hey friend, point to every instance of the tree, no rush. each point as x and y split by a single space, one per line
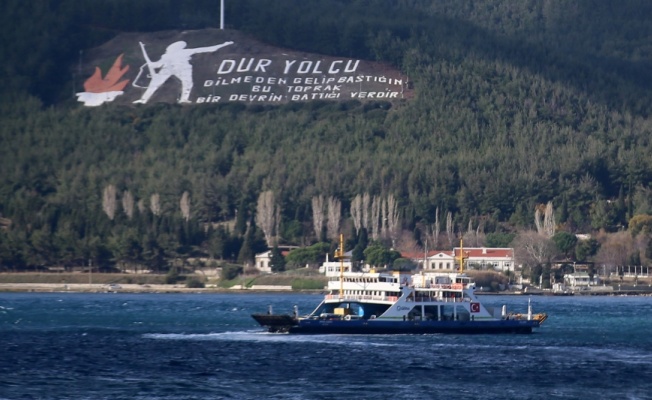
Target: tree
277 261
640 223
184 205
216 242
375 227
128 204
449 228
634 258
334 216
393 219
318 216
565 242
240 219
155 204
586 248
378 255
498 239
545 221
267 215
356 213
648 251
247 255
615 249
311 255
533 249
109 201
604 216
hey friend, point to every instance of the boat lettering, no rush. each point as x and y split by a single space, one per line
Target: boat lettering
402 308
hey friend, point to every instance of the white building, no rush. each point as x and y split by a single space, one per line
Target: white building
483 258
263 260
480 258
579 279
332 268
440 261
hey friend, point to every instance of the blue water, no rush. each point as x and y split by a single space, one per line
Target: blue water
205 346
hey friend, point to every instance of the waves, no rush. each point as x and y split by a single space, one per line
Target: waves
208 347
266 337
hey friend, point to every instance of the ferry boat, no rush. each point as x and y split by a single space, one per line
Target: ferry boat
397 303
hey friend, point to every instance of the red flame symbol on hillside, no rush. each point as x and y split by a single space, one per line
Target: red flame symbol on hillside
97 84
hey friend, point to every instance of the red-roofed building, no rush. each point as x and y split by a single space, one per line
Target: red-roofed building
483 258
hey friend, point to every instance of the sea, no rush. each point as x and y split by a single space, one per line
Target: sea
207 346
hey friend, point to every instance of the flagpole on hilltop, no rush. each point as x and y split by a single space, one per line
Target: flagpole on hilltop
222 14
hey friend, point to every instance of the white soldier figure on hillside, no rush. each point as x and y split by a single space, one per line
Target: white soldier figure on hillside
175 62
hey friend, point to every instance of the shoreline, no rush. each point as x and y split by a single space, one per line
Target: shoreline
162 288
130 288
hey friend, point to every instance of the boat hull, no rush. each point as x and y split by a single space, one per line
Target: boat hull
380 326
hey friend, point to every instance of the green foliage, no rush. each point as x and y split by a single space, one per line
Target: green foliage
194 283
640 224
277 261
378 255
311 255
172 277
230 272
515 104
404 264
565 242
247 253
490 280
308 284
634 258
499 239
586 248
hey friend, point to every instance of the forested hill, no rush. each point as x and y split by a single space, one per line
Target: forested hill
516 103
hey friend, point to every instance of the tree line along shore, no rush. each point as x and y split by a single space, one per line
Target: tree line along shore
491 283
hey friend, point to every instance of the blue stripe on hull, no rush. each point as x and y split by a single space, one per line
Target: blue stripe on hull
411 327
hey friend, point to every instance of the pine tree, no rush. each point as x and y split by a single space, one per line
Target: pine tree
246 255
277 261
241 219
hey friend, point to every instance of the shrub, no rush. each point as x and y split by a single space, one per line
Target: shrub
172 277
230 272
194 282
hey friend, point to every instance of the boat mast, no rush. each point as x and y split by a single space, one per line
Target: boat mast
339 253
461 255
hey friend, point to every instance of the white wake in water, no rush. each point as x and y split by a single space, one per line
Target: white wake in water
258 336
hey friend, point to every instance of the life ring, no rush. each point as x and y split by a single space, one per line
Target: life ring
348 318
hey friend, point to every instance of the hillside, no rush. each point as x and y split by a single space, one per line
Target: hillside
515 104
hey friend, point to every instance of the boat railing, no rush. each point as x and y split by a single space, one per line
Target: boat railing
448 286
426 299
393 299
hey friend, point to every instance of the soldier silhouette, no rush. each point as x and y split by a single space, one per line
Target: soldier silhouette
174 62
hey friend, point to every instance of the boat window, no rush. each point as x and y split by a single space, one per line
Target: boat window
447 312
431 313
462 313
414 314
